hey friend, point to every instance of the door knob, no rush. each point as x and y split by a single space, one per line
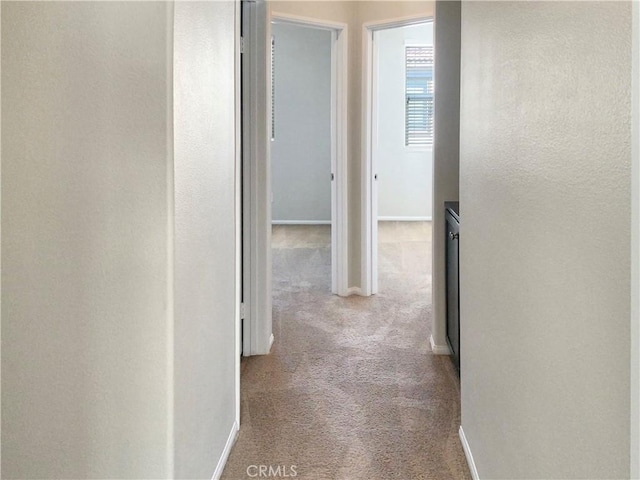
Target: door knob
453 236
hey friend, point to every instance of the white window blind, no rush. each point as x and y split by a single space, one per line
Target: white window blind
419 95
273 88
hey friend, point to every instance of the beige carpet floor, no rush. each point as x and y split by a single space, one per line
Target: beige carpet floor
351 389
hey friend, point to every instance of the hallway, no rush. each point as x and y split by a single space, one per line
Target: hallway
350 390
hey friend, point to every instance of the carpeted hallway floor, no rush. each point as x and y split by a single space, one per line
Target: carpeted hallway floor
351 390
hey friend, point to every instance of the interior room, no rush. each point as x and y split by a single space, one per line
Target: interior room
402 155
300 164
300 159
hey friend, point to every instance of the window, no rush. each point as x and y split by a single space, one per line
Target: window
418 124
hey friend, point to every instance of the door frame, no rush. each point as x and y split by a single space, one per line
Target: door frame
339 184
238 204
256 329
256 309
634 440
369 260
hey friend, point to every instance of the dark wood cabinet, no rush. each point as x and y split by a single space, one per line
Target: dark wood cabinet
452 232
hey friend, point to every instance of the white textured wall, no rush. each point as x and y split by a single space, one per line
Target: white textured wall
405 173
84 247
301 149
119 279
545 259
205 255
635 250
446 150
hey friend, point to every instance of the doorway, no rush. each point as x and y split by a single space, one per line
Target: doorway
398 150
301 167
338 135
257 326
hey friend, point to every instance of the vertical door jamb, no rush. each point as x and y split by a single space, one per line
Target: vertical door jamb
369 199
256 183
339 213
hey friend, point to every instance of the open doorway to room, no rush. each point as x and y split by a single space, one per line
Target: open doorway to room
289 200
398 169
307 155
402 159
301 167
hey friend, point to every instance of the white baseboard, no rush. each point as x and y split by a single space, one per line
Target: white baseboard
405 219
438 349
468 455
301 222
354 291
271 339
233 434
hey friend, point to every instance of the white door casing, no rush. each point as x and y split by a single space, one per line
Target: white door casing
257 335
256 177
369 280
339 218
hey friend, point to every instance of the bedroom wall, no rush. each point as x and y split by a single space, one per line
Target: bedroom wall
301 147
405 173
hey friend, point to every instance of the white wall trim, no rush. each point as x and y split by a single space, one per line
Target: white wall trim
231 440
340 218
468 454
369 232
271 340
290 19
404 219
635 246
354 291
301 222
169 310
398 22
238 206
339 126
369 243
256 107
438 349
171 261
